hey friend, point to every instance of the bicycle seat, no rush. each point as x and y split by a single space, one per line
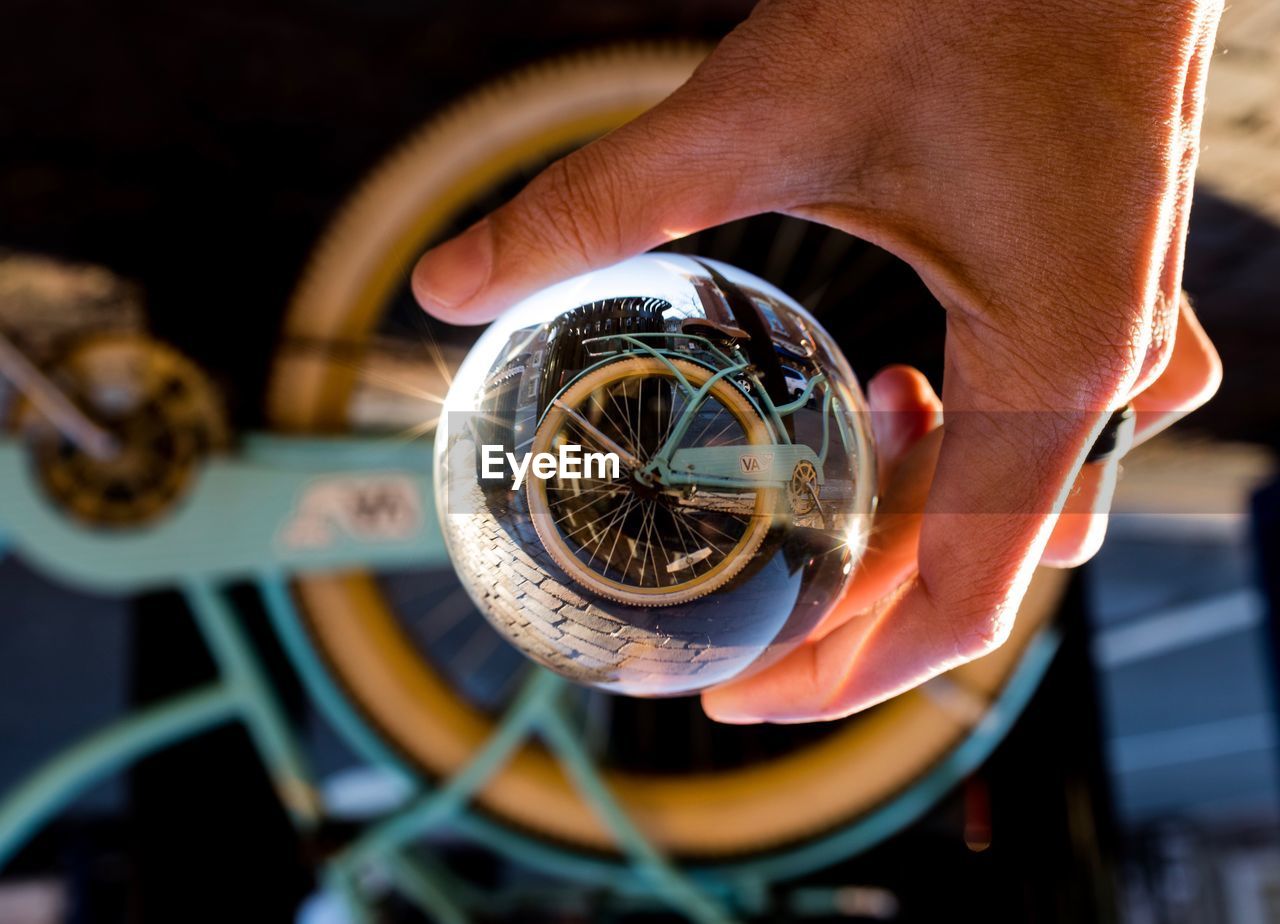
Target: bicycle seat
714 330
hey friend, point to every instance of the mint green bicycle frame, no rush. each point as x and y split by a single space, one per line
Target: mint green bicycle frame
722 466
238 523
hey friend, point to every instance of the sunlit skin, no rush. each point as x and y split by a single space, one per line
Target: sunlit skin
1033 162
905 419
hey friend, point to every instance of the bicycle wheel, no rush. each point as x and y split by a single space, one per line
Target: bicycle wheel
425 669
630 542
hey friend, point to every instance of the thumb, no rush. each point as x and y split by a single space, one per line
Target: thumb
660 177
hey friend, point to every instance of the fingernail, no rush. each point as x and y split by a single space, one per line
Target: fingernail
451 274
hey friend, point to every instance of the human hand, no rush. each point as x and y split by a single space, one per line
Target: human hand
1033 162
845 649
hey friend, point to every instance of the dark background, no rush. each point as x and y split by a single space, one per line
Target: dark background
199 150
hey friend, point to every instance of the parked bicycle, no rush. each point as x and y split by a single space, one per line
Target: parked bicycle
708 465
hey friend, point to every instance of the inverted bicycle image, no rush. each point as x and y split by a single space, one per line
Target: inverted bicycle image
707 466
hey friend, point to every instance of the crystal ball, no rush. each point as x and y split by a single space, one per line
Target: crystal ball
655 477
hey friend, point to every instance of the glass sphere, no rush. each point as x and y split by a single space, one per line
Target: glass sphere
655 477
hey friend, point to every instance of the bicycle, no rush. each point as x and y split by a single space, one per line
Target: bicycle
707 463
325 526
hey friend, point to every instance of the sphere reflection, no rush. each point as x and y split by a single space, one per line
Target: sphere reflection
656 476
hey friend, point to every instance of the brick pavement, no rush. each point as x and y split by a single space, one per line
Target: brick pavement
587 638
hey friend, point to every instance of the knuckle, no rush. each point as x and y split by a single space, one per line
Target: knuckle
978 620
1105 350
1158 348
1185 366
1061 363
982 630
1159 352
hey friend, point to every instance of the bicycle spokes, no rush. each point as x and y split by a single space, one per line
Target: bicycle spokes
633 537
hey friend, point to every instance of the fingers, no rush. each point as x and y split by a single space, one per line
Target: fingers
667 174
1190 378
1170 303
905 417
904 408
912 633
880 647
1082 526
1001 477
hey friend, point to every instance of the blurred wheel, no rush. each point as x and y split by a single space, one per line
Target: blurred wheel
426 670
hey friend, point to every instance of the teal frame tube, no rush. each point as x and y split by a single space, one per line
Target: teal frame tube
707 893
